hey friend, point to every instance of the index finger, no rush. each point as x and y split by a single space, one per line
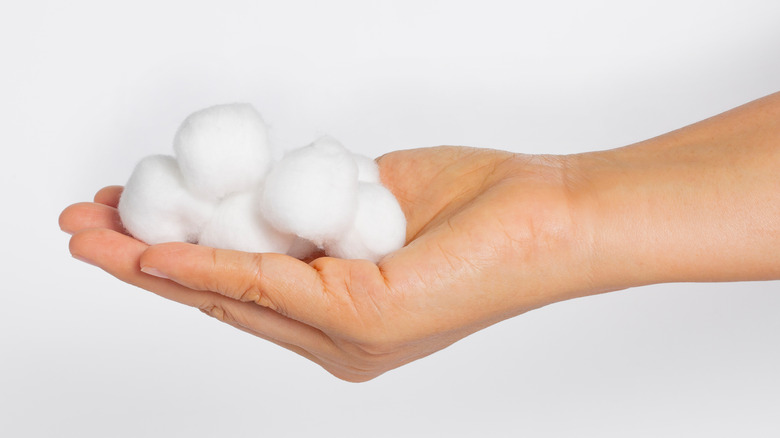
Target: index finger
277 281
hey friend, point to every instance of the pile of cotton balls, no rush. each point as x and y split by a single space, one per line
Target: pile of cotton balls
222 189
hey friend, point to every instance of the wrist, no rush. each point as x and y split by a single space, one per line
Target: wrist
612 206
552 243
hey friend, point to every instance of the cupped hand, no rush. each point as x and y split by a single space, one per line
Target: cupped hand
490 235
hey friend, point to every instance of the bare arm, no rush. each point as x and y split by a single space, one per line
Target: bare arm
698 204
490 235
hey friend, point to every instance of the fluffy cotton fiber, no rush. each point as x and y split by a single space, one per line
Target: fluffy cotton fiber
312 192
378 229
156 207
238 224
368 170
223 149
218 192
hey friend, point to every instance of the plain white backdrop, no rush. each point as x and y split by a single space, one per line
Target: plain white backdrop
89 88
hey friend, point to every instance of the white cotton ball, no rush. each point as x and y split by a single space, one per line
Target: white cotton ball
368 169
379 227
329 144
156 207
312 192
238 224
223 149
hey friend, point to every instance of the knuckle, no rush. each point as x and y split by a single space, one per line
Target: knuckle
255 284
249 294
243 281
217 312
222 279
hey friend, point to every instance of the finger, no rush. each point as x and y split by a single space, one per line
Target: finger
86 215
279 282
119 255
109 195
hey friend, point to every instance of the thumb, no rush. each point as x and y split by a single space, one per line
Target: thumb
276 281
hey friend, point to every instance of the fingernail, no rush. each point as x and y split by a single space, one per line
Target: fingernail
153 271
84 259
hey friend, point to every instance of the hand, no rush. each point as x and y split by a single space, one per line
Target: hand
490 235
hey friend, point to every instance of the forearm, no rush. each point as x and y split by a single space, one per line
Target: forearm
698 204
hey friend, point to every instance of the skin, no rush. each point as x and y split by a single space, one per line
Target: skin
490 235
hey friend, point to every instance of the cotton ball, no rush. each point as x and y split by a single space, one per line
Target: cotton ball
368 169
238 224
223 149
312 192
156 207
379 227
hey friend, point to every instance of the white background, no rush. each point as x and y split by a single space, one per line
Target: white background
89 88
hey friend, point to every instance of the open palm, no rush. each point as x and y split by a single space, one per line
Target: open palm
490 235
